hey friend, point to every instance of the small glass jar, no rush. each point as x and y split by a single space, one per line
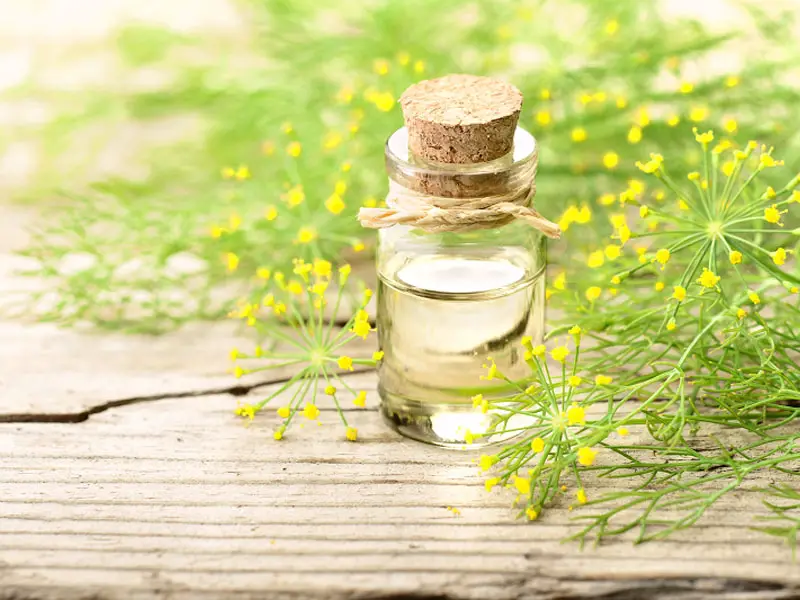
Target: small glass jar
451 304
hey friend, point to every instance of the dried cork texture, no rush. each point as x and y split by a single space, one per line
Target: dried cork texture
461 119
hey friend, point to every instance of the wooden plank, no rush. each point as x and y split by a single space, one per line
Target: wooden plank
179 499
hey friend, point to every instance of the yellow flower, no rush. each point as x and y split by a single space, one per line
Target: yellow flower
607 199
635 134
682 205
361 328
360 400
486 462
283 412
730 125
280 308
603 380
610 160
732 81
574 381
560 282
246 410
773 215
295 288
545 94
679 293
332 140
643 117
306 235
490 483
622 431
652 165
613 251
593 293
322 268
686 88
673 121
231 261
595 259
643 211
579 134
419 66
727 168
345 362
294 149
621 102
543 117
537 444
384 101
616 280
703 138
698 113
586 456
721 147
735 257
523 485
377 355
310 411
344 273
574 330
278 435
662 256
671 325
531 513
765 161
779 256
754 298
708 279
741 314
659 286
795 196
242 173
271 213
335 204
539 350
581 496
693 176
380 66
491 370
576 415
559 353
611 27
330 390
351 433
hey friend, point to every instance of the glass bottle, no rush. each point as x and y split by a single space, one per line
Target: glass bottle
452 304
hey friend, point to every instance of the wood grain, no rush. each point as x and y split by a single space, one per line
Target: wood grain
179 499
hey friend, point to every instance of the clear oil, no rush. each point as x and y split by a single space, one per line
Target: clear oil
439 319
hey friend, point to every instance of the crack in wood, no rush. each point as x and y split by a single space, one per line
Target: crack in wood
81 416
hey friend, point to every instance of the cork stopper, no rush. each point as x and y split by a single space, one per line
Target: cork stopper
461 119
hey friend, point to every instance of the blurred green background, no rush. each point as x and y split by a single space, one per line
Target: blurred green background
166 151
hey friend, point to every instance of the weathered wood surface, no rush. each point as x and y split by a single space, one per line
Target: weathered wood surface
179 499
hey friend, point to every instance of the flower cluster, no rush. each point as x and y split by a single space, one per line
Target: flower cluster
293 314
571 416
